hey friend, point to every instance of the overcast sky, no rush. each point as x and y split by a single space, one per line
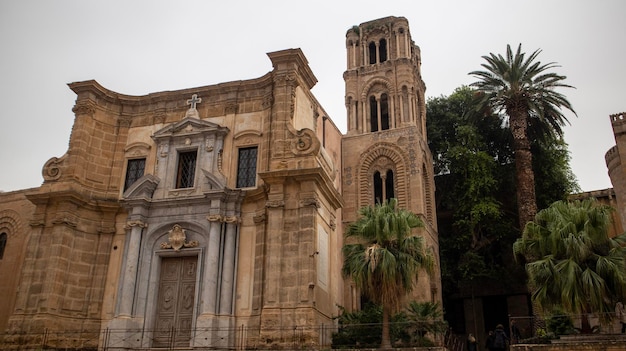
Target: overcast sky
140 47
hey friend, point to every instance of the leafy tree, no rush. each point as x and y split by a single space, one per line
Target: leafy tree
555 179
477 217
385 261
571 262
472 158
524 90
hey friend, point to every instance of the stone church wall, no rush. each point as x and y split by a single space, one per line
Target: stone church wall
97 249
15 214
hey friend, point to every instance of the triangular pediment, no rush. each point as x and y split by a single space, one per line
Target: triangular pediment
215 181
189 126
143 188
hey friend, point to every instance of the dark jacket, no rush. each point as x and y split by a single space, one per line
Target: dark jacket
499 333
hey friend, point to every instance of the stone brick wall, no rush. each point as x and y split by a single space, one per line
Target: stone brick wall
15 214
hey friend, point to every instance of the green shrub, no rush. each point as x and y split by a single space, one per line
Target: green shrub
560 324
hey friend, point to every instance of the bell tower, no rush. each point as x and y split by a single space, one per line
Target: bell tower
384 87
385 151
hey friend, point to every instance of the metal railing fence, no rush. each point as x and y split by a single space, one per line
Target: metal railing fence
320 337
555 325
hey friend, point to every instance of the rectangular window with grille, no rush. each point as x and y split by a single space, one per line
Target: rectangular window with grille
186 169
134 171
246 167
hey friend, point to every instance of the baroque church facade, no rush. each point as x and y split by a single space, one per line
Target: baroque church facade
214 216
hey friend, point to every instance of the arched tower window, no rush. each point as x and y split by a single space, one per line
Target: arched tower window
382 50
372 53
389 192
383 186
384 112
379 113
3 243
378 188
373 114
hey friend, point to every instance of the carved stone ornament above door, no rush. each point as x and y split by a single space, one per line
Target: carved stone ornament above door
177 239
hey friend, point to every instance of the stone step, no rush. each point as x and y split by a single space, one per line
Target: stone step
589 338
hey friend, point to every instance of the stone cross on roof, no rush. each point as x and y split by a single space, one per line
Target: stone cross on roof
192 112
194 100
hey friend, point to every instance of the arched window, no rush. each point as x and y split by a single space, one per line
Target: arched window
384 112
379 106
389 189
372 53
383 186
382 50
373 114
3 244
357 124
378 188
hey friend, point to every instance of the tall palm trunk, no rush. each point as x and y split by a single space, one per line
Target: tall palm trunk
525 177
585 325
385 343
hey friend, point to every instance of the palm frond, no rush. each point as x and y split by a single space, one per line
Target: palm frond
571 262
386 262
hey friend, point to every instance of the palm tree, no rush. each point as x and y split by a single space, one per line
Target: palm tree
385 261
425 318
524 90
571 262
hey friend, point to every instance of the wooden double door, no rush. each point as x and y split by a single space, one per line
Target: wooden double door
175 301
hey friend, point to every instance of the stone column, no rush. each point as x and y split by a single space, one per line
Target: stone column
352 55
403 102
383 179
407 44
364 127
379 117
414 109
397 44
391 111
129 279
228 267
351 122
209 279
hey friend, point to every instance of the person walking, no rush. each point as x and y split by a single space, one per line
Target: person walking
472 343
500 339
516 335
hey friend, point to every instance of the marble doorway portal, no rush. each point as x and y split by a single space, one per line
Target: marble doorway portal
175 301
